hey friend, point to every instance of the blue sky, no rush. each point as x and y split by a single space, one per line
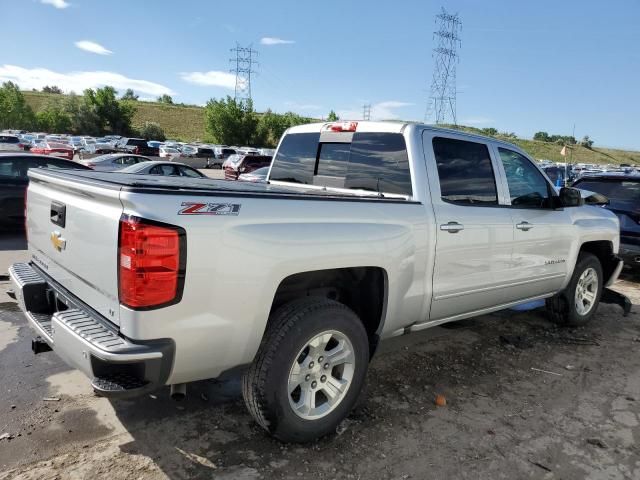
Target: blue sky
524 66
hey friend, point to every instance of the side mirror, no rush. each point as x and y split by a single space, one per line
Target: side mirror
570 197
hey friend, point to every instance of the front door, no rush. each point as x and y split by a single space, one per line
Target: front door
542 236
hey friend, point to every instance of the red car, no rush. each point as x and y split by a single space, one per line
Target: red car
240 164
54 149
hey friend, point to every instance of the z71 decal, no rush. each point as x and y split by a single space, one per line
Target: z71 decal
193 208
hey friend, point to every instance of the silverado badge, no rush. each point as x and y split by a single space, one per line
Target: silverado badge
57 241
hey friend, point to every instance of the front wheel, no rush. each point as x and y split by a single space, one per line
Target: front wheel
309 370
577 304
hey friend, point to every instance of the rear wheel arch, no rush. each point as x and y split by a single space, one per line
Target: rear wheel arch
363 289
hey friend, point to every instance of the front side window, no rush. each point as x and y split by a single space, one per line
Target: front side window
527 186
465 172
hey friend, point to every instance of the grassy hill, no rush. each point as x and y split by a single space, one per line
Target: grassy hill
187 123
178 122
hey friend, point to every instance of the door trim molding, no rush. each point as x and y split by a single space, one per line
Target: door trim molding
496 287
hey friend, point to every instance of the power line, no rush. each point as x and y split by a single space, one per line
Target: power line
366 111
442 97
244 63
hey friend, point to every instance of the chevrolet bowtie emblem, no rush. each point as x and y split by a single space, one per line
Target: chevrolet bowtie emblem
57 241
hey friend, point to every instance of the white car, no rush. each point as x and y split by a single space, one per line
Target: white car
365 231
10 143
169 152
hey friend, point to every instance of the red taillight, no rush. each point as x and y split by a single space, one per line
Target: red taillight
136 150
151 263
342 127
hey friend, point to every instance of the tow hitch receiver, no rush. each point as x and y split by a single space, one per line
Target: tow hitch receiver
611 296
38 345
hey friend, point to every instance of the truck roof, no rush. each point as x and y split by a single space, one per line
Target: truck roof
394 126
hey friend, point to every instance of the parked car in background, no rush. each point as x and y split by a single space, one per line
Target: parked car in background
168 152
623 192
10 142
154 143
54 149
244 164
188 151
257 176
167 169
224 152
14 181
113 161
138 146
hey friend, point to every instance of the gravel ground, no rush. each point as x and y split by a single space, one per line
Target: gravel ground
524 400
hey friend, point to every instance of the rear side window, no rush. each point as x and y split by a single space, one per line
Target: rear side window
376 162
465 171
9 139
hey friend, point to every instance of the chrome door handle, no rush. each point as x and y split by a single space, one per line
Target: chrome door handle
451 227
524 226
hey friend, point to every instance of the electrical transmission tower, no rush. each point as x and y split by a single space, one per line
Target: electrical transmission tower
244 63
366 111
442 97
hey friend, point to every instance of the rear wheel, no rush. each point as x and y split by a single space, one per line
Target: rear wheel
577 304
309 370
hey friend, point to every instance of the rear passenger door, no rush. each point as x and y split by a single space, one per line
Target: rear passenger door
473 267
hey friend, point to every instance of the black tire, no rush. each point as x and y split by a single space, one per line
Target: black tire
561 308
264 385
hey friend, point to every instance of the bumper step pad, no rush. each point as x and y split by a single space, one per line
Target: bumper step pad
117 382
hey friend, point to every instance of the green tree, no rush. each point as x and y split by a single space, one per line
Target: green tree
586 142
115 115
152 131
129 95
231 122
14 110
84 119
54 117
332 117
542 137
490 131
164 98
52 89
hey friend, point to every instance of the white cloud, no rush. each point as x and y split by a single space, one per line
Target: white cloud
296 107
28 78
93 47
211 78
56 3
476 121
275 41
379 111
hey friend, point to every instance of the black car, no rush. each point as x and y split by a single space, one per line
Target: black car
14 181
623 192
137 146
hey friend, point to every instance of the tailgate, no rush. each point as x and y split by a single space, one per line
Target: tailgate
73 237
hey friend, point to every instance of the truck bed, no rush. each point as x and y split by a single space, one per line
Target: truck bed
207 187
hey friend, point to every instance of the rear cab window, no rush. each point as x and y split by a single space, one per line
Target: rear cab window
371 161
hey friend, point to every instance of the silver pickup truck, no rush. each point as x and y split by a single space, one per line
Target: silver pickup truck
365 231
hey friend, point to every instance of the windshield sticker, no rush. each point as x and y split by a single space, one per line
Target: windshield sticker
194 208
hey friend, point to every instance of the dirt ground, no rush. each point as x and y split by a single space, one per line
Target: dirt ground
524 400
